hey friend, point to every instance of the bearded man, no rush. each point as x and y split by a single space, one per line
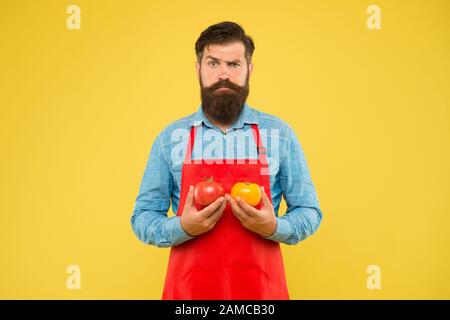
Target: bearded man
228 249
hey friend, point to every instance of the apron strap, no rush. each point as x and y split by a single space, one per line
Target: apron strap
261 150
190 145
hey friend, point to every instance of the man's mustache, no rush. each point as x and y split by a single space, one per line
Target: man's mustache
224 84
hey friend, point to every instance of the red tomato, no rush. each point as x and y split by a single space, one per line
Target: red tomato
206 192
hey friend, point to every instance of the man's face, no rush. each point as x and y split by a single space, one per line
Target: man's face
224 81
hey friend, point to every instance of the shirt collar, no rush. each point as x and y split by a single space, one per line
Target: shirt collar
247 116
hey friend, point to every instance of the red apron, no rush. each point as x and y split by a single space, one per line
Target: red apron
229 261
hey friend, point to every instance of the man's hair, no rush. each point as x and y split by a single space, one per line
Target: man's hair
224 33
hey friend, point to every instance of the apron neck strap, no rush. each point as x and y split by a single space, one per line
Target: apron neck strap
260 149
190 145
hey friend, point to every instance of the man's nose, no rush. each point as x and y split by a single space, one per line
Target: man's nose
223 73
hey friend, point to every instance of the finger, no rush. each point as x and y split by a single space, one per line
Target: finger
238 212
248 209
209 210
190 197
217 214
265 198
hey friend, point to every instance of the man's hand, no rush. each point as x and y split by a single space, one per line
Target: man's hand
262 222
196 222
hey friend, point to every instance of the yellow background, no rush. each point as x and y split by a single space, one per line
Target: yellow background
80 110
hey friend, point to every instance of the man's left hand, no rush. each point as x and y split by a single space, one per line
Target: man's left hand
262 222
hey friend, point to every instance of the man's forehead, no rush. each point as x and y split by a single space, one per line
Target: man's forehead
230 51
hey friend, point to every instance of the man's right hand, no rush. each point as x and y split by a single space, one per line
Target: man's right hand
196 222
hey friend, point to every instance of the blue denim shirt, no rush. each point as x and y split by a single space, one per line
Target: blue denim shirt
289 175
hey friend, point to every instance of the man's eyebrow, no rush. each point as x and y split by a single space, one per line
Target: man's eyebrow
211 57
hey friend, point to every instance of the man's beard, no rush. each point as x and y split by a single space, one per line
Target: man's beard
224 106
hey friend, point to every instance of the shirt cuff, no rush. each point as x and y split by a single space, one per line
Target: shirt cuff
282 232
178 234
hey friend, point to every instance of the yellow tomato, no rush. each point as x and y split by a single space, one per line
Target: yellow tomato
249 192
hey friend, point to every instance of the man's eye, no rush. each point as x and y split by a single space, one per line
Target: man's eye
213 63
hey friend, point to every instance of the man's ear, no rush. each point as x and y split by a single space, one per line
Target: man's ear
250 69
197 69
